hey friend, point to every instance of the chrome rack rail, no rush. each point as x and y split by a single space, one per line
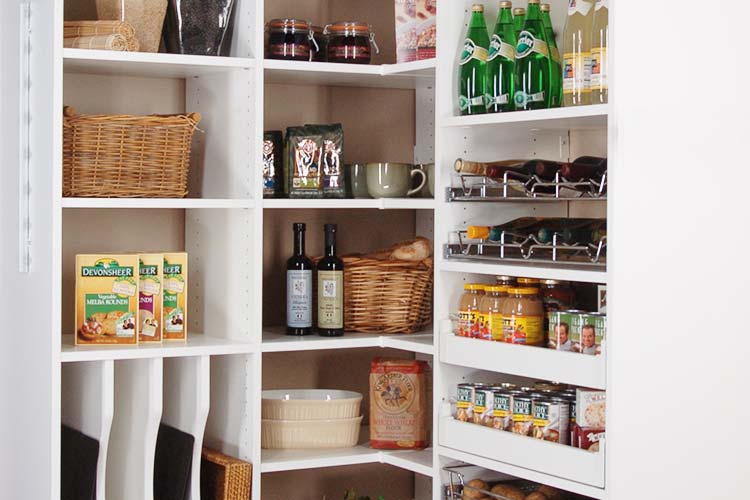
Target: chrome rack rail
454 490
519 247
517 187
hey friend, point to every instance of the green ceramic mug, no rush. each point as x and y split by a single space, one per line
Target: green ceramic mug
357 180
393 180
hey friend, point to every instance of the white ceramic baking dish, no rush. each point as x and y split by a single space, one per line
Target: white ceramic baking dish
310 404
301 434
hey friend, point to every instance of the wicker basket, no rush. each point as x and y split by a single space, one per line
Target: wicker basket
387 296
224 477
123 156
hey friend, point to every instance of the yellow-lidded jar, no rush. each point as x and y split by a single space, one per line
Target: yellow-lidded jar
523 317
491 316
468 310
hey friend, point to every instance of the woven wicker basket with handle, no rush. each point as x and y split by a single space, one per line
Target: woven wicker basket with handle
386 296
125 156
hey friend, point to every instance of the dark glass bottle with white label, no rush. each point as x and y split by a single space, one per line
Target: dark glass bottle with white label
299 287
330 288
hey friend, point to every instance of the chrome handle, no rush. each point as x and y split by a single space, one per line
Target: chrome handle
24 133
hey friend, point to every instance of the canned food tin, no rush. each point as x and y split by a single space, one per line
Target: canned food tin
522 415
575 319
484 406
593 331
503 413
551 420
465 402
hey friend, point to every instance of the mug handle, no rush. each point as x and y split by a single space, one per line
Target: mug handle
421 184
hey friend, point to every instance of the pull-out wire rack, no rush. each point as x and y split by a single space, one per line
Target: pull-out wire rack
517 187
459 488
521 247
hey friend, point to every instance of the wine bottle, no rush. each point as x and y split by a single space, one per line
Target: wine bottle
330 288
584 168
299 286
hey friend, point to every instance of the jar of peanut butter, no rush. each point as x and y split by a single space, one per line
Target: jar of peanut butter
523 317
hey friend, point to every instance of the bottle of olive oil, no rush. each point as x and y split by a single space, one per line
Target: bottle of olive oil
330 288
299 287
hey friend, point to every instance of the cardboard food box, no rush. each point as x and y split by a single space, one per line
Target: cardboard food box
175 291
106 299
150 297
406 30
426 29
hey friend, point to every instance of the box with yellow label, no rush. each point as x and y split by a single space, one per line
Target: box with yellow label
150 297
106 299
175 288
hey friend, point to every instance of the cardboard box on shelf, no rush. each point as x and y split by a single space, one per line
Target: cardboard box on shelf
150 323
426 29
175 295
106 299
406 30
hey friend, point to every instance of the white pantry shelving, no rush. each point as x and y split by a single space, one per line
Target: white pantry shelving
410 75
275 340
578 118
379 203
584 274
174 203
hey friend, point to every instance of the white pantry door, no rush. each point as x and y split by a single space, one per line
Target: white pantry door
29 278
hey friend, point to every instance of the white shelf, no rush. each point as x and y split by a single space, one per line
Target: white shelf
186 203
530 270
285 460
351 203
533 362
275 340
158 65
570 468
581 117
196 345
396 76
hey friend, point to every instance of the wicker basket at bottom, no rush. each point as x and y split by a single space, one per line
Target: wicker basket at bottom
224 477
123 156
387 296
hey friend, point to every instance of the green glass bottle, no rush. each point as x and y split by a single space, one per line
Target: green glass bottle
501 63
519 16
532 62
473 65
555 68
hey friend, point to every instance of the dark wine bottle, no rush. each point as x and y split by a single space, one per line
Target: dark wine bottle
299 287
584 168
330 288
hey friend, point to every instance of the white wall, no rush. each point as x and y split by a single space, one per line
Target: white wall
680 344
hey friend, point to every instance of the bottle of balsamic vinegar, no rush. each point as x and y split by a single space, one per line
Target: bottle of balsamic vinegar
299 287
330 288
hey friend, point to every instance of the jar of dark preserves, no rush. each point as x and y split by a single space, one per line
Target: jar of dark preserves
290 39
350 42
322 43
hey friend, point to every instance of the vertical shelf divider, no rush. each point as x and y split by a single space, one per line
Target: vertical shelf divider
138 409
88 406
186 403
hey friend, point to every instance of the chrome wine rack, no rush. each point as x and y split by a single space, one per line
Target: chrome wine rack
518 187
522 247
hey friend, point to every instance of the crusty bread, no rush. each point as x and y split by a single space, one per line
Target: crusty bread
537 495
414 251
508 491
471 490
549 492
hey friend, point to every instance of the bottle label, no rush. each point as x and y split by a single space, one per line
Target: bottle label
472 51
499 48
484 327
299 299
598 71
523 330
468 323
528 43
576 72
582 7
555 54
496 326
496 100
331 299
465 103
521 98
602 4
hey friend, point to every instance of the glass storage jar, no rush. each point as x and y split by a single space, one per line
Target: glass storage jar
290 39
468 310
350 42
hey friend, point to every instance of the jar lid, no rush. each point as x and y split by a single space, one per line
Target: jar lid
554 282
528 281
349 28
473 286
496 288
316 29
523 291
290 25
478 232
